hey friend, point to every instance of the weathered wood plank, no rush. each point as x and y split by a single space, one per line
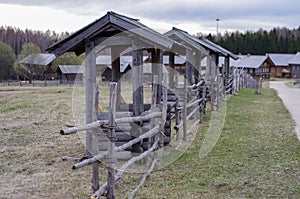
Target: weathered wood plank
90 99
138 94
172 70
111 161
115 63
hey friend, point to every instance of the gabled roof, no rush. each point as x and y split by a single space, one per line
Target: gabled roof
295 60
216 48
71 69
185 38
281 59
41 59
251 61
110 25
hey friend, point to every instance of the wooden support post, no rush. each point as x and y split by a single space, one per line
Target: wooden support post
227 72
157 59
111 146
164 117
197 68
197 74
138 92
153 105
203 103
172 70
90 73
115 63
184 111
177 109
189 67
212 81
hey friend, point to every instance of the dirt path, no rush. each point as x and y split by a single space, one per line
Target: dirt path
291 99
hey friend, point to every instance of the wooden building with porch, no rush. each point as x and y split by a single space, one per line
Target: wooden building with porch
256 65
70 74
281 67
294 63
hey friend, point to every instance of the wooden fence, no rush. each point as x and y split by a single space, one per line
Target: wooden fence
188 110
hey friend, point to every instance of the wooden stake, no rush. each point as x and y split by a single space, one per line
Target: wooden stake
111 147
121 171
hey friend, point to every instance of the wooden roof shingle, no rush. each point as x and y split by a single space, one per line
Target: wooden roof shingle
110 25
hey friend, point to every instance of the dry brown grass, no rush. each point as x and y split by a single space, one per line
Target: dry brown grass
31 151
256 156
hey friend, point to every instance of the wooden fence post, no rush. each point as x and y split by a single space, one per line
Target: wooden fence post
112 138
90 72
153 106
184 110
138 94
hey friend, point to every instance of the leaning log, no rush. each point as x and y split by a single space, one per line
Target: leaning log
132 194
121 171
96 158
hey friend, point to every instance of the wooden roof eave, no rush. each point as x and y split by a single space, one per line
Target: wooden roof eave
75 42
185 38
218 49
78 37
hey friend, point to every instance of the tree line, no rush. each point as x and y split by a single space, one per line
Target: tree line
16 38
277 40
16 44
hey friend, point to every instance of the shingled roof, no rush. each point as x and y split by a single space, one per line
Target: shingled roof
110 25
281 59
295 60
185 38
71 69
216 48
40 59
252 61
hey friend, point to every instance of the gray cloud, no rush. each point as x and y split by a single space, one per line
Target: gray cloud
233 14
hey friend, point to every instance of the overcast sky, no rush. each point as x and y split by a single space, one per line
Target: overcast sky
190 15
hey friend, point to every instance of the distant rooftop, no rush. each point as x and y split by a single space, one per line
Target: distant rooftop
296 59
281 59
251 61
41 59
71 69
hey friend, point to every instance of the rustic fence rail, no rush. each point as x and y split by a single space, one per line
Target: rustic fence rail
188 111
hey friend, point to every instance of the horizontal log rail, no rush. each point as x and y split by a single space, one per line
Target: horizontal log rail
104 123
193 112
194 103
100 156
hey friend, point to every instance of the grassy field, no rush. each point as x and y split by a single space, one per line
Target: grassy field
257 155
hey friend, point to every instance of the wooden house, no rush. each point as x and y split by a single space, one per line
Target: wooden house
36 65
281 67
70 74
256 65
294 63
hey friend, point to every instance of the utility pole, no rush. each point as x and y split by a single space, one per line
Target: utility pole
217 37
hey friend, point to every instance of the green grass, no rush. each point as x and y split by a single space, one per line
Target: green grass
257 155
